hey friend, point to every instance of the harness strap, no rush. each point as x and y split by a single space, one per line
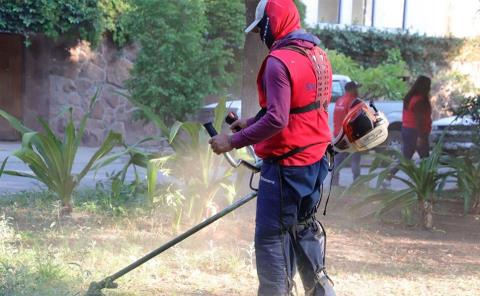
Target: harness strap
290 153
299 110
310 107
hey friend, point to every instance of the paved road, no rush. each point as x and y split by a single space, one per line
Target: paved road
15 184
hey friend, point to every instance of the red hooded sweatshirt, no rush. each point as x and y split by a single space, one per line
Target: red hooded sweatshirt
287 80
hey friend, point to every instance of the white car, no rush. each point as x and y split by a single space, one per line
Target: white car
457 132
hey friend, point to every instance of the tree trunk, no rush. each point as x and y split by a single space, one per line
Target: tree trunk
67 208
476 205
426 214
254 53
66 198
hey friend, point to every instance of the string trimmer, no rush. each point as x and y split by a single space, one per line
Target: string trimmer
96 288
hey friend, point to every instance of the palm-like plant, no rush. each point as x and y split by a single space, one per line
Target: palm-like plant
51 158
466 171
199 174
422 181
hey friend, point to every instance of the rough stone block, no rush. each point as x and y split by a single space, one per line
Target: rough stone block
69 86
118 71
92 72
84 87
112 99
98 111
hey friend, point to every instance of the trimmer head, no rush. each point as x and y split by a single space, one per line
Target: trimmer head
95 288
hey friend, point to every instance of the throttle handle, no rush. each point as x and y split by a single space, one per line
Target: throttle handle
210 129
231 118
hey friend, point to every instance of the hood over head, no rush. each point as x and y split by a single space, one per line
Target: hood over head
275 19
284 17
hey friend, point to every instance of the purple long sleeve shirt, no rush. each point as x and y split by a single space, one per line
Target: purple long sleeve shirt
276 83
277 86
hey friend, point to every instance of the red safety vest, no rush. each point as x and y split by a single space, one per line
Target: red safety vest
409 118
342 107
305 129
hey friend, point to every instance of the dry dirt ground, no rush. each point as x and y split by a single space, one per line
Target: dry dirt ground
363 258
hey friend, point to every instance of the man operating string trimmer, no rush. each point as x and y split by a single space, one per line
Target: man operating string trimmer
291 135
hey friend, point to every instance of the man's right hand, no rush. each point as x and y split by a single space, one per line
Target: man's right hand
238 124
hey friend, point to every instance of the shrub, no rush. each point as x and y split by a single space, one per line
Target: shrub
467 174
470 107
370 47
423 180
200 175
51 158
382 81
86 19
185 56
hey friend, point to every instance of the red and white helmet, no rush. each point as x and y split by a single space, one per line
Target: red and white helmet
363 128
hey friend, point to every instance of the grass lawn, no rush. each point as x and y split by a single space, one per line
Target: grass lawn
43 254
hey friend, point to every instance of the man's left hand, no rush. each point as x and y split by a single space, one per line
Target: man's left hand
221 144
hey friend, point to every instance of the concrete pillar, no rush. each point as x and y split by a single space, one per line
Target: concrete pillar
311 17
346 8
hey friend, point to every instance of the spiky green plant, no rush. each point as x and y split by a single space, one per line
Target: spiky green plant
51 158
422 181
467 174
200 174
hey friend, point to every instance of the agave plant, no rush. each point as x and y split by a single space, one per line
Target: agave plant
136 158
423 180
51 158
199 174
466 171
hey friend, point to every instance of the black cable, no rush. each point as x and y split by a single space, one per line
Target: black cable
332 170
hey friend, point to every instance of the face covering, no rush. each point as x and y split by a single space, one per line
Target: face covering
266 34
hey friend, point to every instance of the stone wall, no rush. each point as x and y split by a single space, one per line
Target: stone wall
60 74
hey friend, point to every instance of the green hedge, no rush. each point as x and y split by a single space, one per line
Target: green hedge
85 19
369 47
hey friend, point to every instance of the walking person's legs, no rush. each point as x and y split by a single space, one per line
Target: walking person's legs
423 145
409 137
409 145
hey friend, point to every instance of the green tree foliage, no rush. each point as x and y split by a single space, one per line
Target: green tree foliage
370 47
113 21
226 21
85 19
470 107
382 81
187 49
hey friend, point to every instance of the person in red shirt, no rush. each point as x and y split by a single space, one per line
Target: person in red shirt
343 105
417 119
291 135
416 122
